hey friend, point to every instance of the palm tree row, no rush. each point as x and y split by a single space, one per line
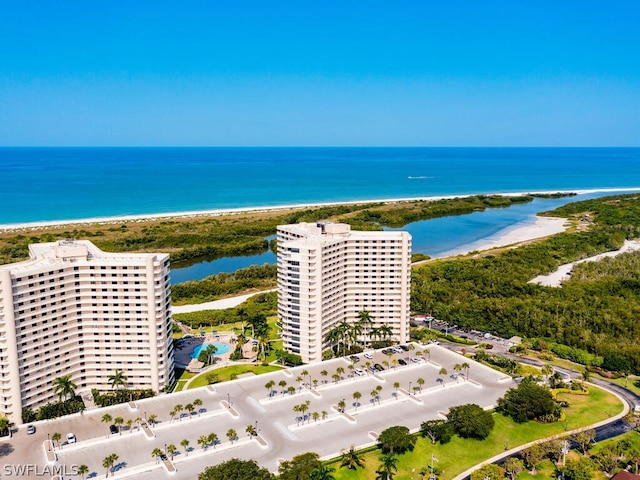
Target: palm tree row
189 407
347 334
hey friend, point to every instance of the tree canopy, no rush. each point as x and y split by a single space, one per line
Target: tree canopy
300 467
236 469
471 421
529 401
396 439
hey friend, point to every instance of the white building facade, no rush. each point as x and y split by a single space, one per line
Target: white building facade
328 274
75 310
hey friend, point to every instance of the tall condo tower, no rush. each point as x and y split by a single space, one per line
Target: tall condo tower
328 274
75 310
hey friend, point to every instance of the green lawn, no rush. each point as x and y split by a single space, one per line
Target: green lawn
229 373
459 454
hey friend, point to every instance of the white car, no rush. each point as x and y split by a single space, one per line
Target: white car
397 349
415 359
71 438
368 355
359 372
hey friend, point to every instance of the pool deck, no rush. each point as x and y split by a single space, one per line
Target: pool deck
183 356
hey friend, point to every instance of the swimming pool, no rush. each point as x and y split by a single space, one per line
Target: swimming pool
221 348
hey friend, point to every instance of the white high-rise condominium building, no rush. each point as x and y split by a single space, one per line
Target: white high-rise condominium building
328 273
75 310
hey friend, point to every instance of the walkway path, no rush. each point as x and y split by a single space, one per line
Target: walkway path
217 304
563 272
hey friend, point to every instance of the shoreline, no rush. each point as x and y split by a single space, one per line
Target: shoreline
5 228
514 235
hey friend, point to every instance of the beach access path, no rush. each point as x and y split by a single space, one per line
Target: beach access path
217 304
563 272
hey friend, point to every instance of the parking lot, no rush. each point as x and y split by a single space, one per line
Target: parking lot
333 417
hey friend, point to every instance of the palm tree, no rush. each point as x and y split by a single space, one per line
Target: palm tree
341 405
138 421
315 416
203 441
366 321
82 470
396 385
291 390
109 461
64 387
232 435
185 444
198 404
357 396
118 379
189 408
443 372
171 449
282 384
129 423
55 438
299 380
305 373
119 421
213 439
324 414
340 372
374 396
333 337
304 408
351 459
466 367
322 472
324 373
178 411
269 385
251 431
106 418
388 466
156 453
385 331
153 418
420 383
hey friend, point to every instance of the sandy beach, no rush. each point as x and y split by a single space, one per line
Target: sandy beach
235 211
543 227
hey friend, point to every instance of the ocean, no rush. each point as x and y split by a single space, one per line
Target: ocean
58 184
61 184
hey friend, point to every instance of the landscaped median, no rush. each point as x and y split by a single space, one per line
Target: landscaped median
460 455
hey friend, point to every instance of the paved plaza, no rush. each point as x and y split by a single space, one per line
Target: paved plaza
283 433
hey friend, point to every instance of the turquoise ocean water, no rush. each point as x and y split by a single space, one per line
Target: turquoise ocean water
57 184
44 184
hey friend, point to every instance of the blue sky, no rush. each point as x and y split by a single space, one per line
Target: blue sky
262 73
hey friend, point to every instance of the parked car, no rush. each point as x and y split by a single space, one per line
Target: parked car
404 348
354 358
113 429
71 438
402 362
415 359
379 367
368 355
31 430
359 372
